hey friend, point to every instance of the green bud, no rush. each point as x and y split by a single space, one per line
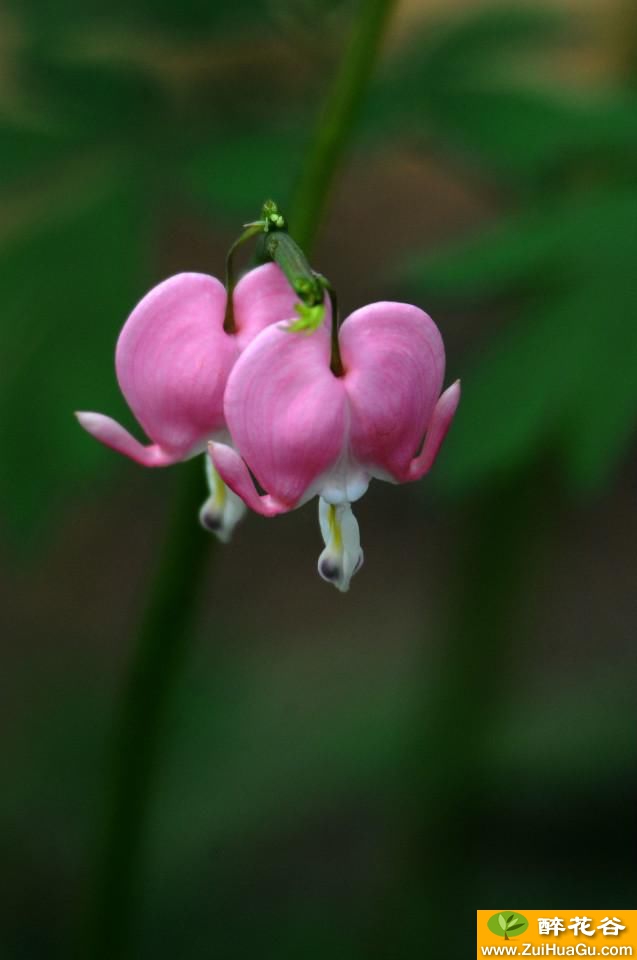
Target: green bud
272 219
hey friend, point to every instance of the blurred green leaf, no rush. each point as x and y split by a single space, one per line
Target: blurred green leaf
237 173
188 17
523 133
534 388
459 89
66 289
603 426
27 153
462 51
483 38
455 54
560 377
91 100
572 234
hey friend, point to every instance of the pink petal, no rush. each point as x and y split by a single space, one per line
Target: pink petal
173 358
443 415
113 435
234 473
394 363
286 411
263 296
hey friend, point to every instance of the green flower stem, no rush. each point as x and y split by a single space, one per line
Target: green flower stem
160 648
165 634
336 361
311 287
337 119
252 230
281 248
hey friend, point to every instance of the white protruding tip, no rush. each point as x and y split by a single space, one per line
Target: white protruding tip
342 556
223 509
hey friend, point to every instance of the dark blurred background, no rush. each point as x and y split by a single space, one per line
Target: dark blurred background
346 776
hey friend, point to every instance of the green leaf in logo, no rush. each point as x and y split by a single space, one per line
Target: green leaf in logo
507 923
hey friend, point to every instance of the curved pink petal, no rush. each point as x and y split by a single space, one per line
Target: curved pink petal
443 415
286 411
394 362
173 358
234 473
262 297
112 434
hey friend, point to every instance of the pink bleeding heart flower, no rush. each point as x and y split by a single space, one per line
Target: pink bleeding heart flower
173 359
304 431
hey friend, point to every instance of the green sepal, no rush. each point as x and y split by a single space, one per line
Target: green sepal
310 318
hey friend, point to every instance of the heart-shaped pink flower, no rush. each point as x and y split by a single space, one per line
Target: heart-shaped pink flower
304 431
173 359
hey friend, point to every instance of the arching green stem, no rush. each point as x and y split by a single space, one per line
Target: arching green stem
281 248
251 230
161 647
162 642
311 288
336 363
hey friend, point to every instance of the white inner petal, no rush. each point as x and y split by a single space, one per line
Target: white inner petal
342 556
223 509
345 482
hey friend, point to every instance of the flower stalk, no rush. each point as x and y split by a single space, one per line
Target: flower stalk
311 288
165 634
337 120
276 245
250 230
162 647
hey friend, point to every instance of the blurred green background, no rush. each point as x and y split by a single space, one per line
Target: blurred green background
345 776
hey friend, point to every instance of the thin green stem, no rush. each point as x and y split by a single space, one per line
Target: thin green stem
164 636
336 120
284 250
336 361
252 230
160 649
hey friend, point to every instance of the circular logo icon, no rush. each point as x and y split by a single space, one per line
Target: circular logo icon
507 924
